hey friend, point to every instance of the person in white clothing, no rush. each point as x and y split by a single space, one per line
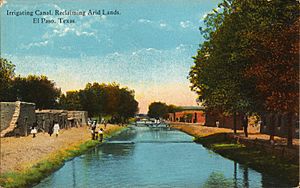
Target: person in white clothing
56 129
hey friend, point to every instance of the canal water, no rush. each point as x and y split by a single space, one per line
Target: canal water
155 157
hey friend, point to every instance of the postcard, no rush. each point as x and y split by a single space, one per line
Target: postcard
148 93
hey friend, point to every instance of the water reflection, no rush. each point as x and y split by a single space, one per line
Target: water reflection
155 157
217 180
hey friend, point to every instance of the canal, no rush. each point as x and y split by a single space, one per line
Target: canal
155 157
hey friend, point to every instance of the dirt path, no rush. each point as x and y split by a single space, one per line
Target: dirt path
200 131
20 153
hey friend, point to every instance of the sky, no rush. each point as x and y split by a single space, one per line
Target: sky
148 46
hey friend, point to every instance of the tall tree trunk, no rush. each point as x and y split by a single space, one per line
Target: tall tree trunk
272 126
290 130
234 122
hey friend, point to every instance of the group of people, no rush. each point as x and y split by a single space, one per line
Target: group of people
53 129
96 134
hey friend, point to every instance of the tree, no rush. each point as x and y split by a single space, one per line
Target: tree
103 99
158 110
128 106
6 75
36 89
70 101
217 75
236 69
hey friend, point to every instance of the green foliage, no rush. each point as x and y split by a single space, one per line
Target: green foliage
233 36
37 89
158 110
6 75
172 108
255 158
217 180
102 100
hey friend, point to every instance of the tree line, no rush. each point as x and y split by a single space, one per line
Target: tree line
249 61
160 110
98 99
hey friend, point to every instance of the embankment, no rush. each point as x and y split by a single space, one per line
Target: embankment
26 160
255 155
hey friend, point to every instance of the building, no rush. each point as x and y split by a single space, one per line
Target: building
188 114
197 114
17 118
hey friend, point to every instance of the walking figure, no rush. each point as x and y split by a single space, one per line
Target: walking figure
56 129
93 129
50 131
245 125
33 131
100 133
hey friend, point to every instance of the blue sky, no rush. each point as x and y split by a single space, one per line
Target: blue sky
148 47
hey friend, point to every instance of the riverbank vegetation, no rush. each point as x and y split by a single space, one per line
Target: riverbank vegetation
42 169
249 61
255 158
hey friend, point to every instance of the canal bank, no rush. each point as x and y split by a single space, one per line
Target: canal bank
25 161
280 162
155 157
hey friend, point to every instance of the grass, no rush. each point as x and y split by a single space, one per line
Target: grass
42 169
255 158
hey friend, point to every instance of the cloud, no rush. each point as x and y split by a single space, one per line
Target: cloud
144 21
185 24
35 44
82 27
153 73
159 24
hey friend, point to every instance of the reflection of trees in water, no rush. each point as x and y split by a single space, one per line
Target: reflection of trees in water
245 175
217 180
126 135
117 149
73 173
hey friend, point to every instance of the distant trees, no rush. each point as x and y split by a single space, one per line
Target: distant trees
37 89
250 59
7 72
160 110
98 99
102 100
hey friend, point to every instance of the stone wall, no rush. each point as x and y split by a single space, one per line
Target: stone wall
17 118
47 118
7 110
78 118
26 118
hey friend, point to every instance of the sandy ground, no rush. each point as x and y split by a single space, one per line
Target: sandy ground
23 152
199 131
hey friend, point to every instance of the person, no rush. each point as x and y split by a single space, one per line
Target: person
56 129
90 122
50 131
33 131
105 124
245 125
93 129
217 123
100 133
